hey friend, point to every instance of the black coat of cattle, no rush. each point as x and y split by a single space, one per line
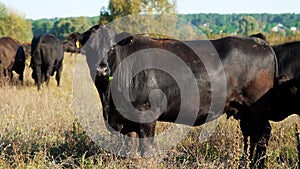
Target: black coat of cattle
285 96
47 56
283 100
69 47
72 44
249 64
12 57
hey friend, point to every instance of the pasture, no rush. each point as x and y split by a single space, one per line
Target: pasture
39 129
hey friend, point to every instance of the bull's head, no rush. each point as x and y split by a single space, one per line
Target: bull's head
104 76
285 99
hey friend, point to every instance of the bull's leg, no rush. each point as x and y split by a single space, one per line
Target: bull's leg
131 140
147 145
261 146
10 74
246 134
58 73
249 145
21 77
48 74
38 70
132 143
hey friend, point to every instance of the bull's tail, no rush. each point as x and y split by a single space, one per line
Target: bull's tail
276 76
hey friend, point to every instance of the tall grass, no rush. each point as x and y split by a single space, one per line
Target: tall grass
38 129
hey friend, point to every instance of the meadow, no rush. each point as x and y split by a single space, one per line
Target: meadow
40 129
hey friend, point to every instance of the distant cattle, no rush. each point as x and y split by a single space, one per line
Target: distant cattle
12 57
47 56
250 68
69 47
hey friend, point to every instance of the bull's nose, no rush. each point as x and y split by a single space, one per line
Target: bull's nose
102 71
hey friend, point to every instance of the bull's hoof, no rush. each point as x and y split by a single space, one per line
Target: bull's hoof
150 151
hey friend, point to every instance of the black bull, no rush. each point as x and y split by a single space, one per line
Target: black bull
250 69
12 57
285 97
47 56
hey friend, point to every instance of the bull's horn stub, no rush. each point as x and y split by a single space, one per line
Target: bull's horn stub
78 44
110 78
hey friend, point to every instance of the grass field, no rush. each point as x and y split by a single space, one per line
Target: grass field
39 129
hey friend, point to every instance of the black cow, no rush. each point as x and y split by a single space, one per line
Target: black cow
288 58
72 44
287 92
69 47
249 64
12 57
283 100
47 56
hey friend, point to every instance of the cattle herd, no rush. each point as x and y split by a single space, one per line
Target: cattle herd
262 80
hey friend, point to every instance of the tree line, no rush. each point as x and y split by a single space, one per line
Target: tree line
212 25
243 24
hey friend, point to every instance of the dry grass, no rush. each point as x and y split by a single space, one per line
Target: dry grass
40 130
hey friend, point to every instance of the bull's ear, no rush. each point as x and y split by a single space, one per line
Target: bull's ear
124 38
283 78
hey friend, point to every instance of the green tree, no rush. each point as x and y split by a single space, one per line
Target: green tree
42 26
120 8
141 16
61 27
248 25
14 25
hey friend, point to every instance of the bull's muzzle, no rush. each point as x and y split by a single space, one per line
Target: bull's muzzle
103 71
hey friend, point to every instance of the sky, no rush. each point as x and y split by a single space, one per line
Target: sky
36 9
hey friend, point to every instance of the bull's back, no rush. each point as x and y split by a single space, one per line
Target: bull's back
250 67
47 49
8 51
249 64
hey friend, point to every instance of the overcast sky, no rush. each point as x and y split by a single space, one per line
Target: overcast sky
35 9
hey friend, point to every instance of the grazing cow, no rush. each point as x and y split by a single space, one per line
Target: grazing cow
12 57
72 44
69 47
47 56
249 65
